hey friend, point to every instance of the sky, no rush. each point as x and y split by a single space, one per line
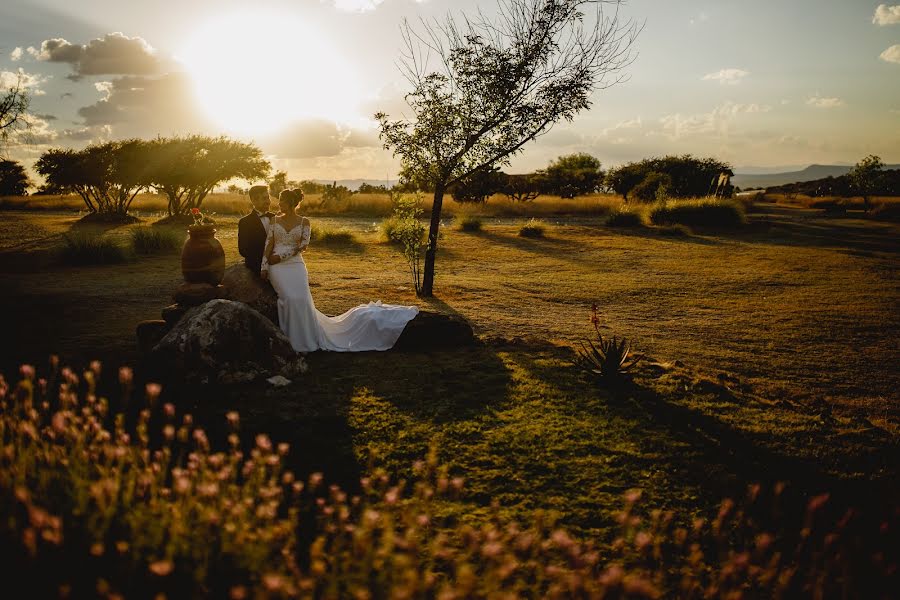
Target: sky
768 85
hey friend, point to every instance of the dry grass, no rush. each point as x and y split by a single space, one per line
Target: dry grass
855 203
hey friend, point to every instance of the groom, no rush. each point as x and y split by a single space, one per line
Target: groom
254 228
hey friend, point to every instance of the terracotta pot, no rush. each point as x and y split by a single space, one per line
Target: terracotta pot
202 258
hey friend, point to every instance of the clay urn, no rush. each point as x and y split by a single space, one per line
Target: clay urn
202 258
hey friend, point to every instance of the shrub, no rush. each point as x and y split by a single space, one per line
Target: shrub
677 230
470 224
141 506
409 233
653 186
627 218
532 229
156 240
327 236
83 248
706 212
889 211
609 360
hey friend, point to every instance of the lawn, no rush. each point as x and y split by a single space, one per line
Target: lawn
772 355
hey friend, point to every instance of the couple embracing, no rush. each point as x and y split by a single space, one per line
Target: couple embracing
272 246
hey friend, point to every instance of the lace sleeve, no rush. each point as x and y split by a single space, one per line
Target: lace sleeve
270 242
306 232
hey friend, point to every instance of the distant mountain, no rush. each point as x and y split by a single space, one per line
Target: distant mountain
354 184
810 173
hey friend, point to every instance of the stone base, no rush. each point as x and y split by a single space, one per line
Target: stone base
195 294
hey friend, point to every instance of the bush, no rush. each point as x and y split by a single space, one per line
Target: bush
707 212
156 240
83 248
327 236
677 230
141 506
470 224
889 211
626 218
532 229
655 186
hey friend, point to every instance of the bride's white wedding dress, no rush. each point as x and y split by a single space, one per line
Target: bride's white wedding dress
373 326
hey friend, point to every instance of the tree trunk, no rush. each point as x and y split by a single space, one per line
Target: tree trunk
428 277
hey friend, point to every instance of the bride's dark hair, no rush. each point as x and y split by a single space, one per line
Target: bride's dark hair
294 196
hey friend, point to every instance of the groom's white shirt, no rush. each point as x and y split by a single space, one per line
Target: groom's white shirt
264 219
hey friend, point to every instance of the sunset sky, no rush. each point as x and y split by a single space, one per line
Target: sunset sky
768 84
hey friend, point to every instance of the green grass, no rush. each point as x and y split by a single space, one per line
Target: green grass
703 212
156 240
532 229
88 248
469 224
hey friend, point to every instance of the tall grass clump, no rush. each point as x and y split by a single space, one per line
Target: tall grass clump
85 248
533 229
470 224
156 240
701 212
627 217
327 236
97 503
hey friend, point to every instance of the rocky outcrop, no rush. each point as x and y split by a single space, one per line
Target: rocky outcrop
242 285
225 341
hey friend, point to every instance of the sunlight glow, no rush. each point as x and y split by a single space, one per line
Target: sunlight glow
255 73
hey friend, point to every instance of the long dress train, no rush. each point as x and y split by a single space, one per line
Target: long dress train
372 326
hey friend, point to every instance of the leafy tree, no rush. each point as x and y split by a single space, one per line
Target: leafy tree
187 169
522 188
368 188
278 183
312 187
625 178
865 176
690 177
13 179
495 86
655 186
14 103
573 175
478 187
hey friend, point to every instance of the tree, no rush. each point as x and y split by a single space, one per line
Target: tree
865 175
14 103
278 183
478 187
655 186
625 178
187 169
13 179
690 177
573 175
495 86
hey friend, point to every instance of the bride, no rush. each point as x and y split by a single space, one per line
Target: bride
373 326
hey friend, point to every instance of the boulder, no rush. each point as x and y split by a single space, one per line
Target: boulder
242 285
225 341
195 294
173 313
149 333
431 330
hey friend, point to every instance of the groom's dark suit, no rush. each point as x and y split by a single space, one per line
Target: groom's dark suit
252 239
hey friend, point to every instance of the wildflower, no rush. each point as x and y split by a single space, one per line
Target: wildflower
457 483
238 592
169 410
27 372
392 495
169 433
161 567
642 540
263 442
58 423
314 480
153 390
233 417
632 496
96 549
284 448
817 502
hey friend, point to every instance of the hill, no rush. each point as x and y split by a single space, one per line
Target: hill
810 173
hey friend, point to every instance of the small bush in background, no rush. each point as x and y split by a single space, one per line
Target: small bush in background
533 229
327 236
156 240
84 248
627 218
703 212
470 224
677 230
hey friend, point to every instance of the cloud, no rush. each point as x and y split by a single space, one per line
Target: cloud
315 139
113 54
887 15
819 102
727 76
357 6
16 54
891 55
719 121
28 81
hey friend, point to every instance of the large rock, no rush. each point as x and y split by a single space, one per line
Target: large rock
225 341
431 330
242 285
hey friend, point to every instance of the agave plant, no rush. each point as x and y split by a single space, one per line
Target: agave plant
609 359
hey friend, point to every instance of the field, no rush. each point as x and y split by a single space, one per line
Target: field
771 355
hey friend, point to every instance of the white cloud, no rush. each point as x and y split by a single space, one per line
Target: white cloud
892 54
819 102
887 15
357 6
28 81
16 54
727 76
719 121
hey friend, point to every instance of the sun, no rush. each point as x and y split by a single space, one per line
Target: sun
255 73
